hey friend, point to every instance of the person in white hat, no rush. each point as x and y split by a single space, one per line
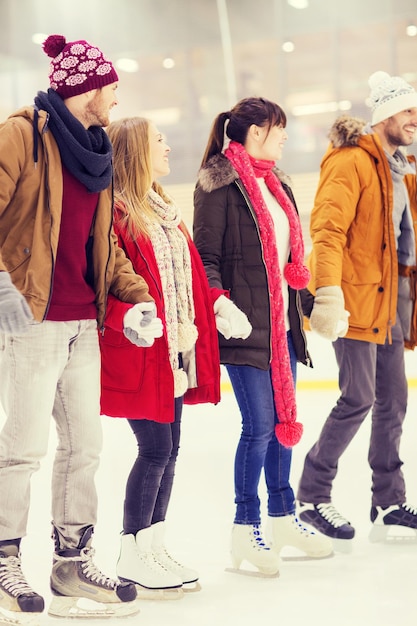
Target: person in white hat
363 265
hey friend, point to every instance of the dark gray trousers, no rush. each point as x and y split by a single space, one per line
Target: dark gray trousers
371 377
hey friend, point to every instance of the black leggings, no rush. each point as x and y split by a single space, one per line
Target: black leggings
149 485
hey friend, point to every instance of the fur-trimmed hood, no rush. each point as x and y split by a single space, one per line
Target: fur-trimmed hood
218 172
346 131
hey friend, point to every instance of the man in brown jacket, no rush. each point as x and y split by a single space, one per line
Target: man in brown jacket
59 258
363 234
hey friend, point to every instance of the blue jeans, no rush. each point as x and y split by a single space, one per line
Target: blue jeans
149 485
53 369
258 447
371 378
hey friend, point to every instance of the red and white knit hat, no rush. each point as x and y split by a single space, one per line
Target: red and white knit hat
77 66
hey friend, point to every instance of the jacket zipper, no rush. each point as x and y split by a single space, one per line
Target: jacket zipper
251 211
45 153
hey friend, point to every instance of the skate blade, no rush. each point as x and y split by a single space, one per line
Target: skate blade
345 546
254 573
393 534
191 587
174 593
307 557
16 618
66 606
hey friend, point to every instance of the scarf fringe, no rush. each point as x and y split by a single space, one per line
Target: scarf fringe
187 336
180 383
297 275
289 433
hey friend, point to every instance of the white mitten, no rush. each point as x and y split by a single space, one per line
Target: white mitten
329 317
141 326
230 320
15 313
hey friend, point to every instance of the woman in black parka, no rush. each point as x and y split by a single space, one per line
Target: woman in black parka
248 233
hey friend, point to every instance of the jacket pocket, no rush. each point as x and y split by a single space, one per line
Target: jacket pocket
122 364
363 300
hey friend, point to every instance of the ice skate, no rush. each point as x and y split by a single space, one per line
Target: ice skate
248 545
287 531
80 589
19 604
327 520
188 575
397 523
138 564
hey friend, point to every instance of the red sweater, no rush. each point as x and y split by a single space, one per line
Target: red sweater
72 297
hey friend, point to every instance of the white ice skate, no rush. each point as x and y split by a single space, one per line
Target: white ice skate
248 545
138 564
188 575
288 531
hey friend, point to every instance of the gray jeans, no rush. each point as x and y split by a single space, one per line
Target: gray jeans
371 377
53 370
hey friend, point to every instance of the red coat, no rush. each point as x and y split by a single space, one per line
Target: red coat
138 383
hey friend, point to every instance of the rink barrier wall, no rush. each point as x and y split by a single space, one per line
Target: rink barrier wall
311 385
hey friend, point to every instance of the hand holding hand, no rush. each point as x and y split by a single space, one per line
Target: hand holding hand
141 326
15 313
230 320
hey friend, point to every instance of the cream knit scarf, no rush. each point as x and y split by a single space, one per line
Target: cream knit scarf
174 265
288 430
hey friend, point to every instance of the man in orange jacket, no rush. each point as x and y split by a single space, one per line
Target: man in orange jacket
363 233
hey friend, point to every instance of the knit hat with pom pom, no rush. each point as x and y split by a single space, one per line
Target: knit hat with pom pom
77 66
389 95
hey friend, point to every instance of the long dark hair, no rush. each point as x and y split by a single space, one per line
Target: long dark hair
246 112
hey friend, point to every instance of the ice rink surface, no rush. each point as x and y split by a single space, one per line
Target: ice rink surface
374 585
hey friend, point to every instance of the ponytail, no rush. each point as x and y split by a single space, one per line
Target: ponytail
216 138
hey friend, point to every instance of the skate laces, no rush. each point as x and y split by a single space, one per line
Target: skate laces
409 508
164 554
90 569
92 572
11 577
152 561
331 515
256 530
302 529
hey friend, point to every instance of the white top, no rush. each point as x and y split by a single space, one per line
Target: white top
282 235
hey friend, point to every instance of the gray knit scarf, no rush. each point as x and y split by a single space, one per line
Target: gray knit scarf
401 213
403 221
174 265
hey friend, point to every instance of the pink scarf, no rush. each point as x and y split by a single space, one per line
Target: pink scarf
288 430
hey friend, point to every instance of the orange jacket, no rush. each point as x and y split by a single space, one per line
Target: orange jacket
353 234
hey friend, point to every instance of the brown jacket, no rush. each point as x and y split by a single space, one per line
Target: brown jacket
353 234
30 216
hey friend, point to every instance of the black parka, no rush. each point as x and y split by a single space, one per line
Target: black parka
226 234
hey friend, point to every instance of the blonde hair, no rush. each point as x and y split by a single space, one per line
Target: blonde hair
132 165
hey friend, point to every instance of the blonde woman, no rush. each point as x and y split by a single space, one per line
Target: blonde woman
149 386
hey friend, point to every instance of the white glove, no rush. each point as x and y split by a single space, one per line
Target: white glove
141 326
329 317
15 313
230 320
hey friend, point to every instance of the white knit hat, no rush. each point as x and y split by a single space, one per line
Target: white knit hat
389 95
